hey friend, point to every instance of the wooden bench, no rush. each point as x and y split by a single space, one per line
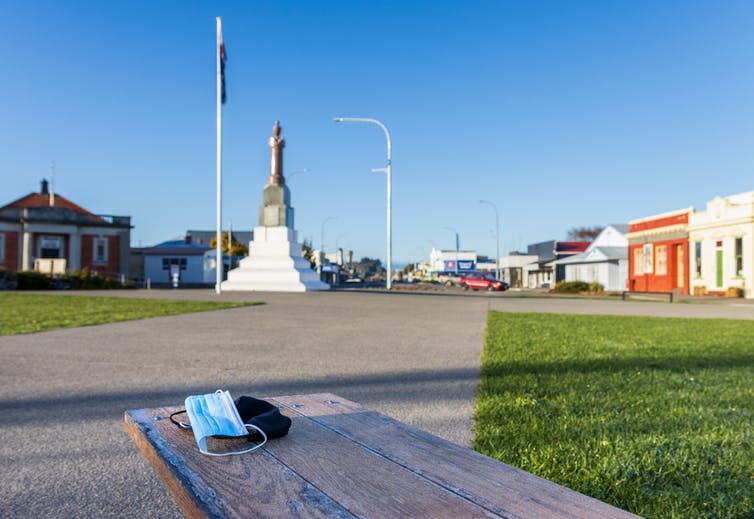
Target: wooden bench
343 460
649 296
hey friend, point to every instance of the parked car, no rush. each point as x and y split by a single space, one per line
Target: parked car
483 282
449 279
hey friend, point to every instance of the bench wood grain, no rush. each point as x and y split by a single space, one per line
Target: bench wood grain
343 460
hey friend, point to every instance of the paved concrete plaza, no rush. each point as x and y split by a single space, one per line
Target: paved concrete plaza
415 357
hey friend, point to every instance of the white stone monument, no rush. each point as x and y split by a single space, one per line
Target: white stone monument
274 263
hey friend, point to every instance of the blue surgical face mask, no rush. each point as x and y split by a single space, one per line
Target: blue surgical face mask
215 414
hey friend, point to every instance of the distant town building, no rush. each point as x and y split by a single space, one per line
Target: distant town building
512 267
658 252
177 263
451 261
721 239
48 226
544 273
604 261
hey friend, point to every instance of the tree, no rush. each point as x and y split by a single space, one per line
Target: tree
408 269
308 253
584 233
368 268
236 247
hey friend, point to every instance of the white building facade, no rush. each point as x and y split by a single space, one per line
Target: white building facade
605 261
721 247
513 269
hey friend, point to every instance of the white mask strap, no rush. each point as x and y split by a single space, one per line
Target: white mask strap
247 425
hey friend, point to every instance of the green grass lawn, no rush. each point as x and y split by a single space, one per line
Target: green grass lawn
26 313
653 415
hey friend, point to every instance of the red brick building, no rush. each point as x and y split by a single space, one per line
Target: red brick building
658 253
49 226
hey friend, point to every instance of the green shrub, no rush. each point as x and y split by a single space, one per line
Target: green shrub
596 287
85 280
29 280
76 280
570 287
7 279
577 287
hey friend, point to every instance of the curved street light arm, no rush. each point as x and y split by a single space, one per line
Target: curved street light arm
388 173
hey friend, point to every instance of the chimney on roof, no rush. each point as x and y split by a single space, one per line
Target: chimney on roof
44 187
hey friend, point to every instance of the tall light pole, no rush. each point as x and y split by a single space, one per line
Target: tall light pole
322 241
338 251
457 247
497 237
388 170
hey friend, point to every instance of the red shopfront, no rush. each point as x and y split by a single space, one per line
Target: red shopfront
658 253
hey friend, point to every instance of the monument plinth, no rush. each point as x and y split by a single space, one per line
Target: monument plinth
275 262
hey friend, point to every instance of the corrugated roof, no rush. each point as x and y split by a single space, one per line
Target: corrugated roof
174 248
571 246
596 255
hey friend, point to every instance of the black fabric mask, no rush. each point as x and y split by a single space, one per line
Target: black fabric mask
255 412
264 415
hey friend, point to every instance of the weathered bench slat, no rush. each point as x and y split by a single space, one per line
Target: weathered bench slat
500 488
364 482
343 460
234 486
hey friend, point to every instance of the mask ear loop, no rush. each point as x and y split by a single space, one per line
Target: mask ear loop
182 425
255 447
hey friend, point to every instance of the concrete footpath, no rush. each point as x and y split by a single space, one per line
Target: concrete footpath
412 356
63 449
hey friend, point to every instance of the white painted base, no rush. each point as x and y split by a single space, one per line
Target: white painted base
274 264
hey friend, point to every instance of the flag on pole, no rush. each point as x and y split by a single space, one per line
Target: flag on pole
220 99
223 57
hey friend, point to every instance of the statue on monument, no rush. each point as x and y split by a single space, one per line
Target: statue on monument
276 207
276 145
275 262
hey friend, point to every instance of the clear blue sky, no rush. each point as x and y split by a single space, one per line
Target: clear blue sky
562 113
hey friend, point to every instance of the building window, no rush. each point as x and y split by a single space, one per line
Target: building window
166 262
100 250
661 256
698 258
2 246
50 247
638 261
739 256
648 259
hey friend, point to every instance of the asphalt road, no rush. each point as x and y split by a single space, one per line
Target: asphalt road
415 357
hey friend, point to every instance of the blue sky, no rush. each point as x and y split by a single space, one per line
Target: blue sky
562 113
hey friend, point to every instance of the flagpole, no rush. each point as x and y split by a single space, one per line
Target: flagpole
219 158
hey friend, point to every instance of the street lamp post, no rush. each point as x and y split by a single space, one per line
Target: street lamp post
497 237
457 247
388 170
322 241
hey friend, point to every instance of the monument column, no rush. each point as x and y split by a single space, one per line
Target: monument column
276 210
275 262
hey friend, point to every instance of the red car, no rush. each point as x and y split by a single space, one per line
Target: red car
482 282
